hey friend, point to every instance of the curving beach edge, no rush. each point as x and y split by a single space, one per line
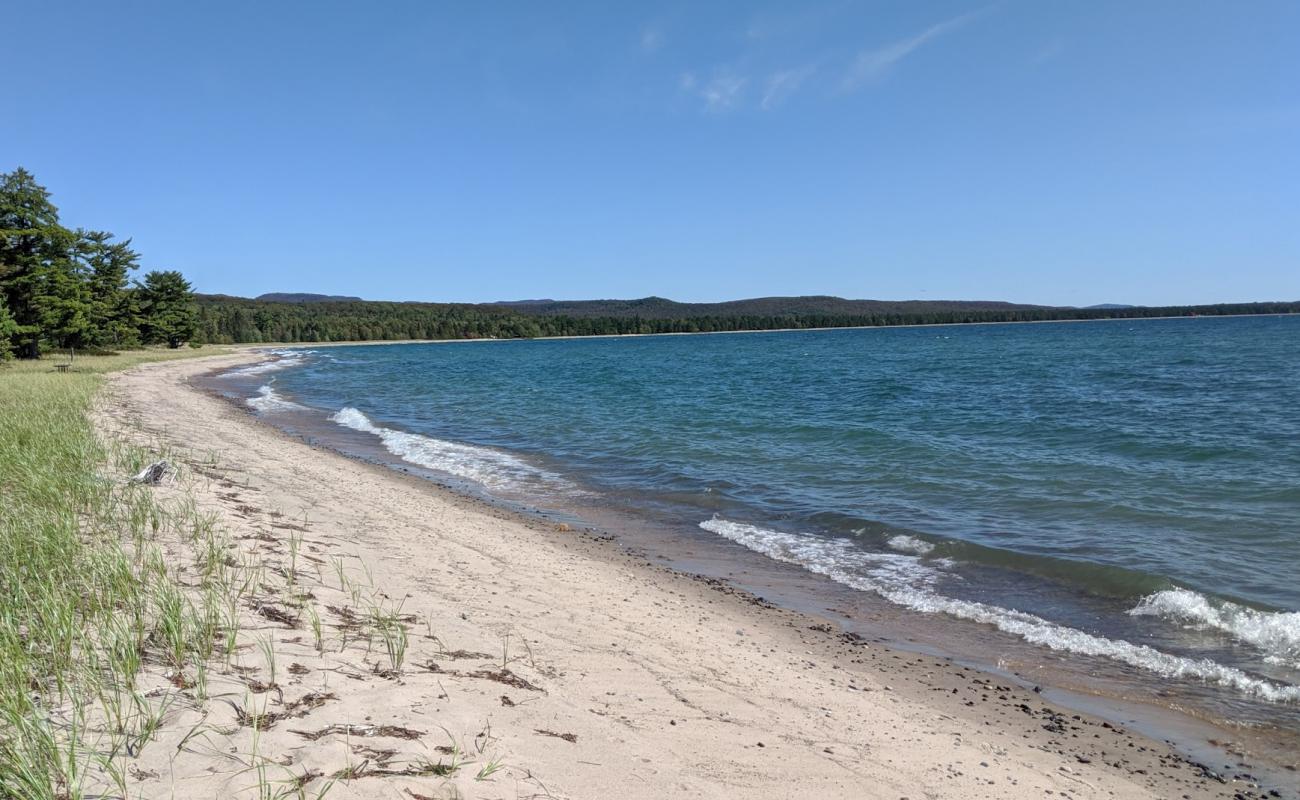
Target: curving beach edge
414 643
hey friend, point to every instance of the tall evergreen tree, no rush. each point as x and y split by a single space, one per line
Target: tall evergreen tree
72 288
37 276
112 309
63 305
167 309
8 327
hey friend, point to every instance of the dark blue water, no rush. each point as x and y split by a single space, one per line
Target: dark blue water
1123 490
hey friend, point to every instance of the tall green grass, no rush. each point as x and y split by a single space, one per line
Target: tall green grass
86 599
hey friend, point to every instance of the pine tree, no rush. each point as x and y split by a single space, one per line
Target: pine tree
62 305
112 305
71 288
38 280
8 327
167 309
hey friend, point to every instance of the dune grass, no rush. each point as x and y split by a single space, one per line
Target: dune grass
86 596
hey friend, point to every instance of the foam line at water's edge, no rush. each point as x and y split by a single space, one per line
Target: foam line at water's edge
283 359
910 585
483 465
267 401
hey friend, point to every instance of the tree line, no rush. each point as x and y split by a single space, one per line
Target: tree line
238 320
72 289
67 288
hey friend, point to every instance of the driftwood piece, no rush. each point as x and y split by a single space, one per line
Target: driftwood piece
153 474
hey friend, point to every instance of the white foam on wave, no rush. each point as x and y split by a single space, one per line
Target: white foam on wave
267 401
909 582
835 558
483 465
283 359
1275 633
909 544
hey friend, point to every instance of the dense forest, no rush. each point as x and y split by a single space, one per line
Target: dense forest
234 319
72 289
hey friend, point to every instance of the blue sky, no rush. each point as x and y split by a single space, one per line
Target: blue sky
1049 152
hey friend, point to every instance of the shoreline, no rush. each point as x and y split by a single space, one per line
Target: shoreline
364 342
915 683
1068 679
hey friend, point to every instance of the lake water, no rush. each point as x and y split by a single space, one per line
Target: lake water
1126 492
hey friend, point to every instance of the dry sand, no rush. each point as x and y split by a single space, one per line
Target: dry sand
577 669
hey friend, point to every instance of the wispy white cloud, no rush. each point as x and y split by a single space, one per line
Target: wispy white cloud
781 85
652 38
872 65
728 87
723 92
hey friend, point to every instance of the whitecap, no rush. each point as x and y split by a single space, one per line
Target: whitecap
909 582
267 400
483 465
1275 633
282 359
830 556
909 544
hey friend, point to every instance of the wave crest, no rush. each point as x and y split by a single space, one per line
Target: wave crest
267 401
911 585
483 465
909 544
282 359
1275 633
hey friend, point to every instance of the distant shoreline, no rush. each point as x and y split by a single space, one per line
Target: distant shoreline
362 342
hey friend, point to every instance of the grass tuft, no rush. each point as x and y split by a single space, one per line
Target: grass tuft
86 598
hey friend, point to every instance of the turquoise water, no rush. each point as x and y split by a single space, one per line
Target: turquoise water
1120 490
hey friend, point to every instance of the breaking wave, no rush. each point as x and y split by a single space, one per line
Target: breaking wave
1275 633
909 582
283 359
267 401
483 465
909 544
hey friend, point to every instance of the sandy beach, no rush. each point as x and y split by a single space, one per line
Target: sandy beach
539 661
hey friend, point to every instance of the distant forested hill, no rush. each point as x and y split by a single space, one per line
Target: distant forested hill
661 308
304 297
241 320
